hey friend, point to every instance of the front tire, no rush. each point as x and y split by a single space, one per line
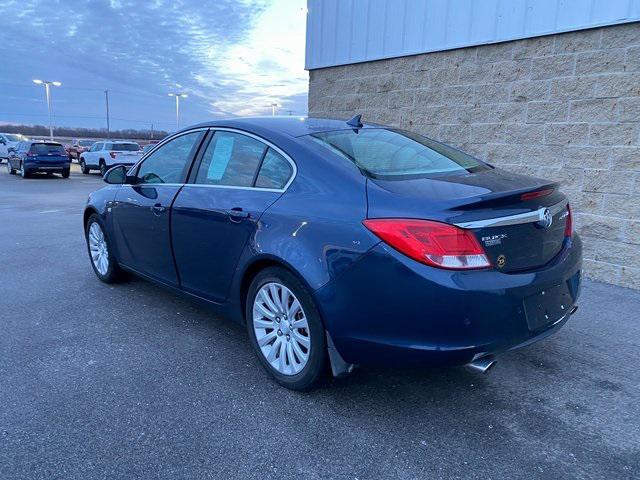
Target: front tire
83 167
102 260
285 329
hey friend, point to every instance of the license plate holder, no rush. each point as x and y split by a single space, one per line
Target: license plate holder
547 306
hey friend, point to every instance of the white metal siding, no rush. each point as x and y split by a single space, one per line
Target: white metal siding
350 31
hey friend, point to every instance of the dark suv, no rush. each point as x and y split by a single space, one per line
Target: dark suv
31 157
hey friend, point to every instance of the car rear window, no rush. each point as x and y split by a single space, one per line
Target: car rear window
125 147
86 143
47 149
397 154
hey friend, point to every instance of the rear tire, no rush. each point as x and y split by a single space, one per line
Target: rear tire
83 167
312 361
23 171
103 168
66 173
102 259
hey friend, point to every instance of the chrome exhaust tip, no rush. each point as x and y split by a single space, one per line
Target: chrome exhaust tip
482 364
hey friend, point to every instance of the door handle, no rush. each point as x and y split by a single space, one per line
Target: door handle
158 209
236 214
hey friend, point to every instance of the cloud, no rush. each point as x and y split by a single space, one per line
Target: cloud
232 57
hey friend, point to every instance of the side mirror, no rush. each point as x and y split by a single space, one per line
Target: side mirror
116 175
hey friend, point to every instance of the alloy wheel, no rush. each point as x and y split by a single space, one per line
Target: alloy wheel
281 328
98 248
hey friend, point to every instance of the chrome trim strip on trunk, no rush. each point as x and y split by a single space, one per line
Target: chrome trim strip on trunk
528 217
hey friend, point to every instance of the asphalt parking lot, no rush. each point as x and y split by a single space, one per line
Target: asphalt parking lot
130 381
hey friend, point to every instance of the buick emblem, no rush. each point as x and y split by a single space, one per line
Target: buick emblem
546 219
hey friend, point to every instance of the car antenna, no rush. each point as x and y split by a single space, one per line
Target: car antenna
355 121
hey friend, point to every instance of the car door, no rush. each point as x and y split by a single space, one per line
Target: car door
91 157
215 214
19 154
141 211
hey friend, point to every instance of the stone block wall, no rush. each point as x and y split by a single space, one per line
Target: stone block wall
564 107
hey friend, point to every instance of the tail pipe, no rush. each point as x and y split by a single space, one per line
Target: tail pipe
482 364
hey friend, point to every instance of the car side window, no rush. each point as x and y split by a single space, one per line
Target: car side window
274 172
231 159
98 147
169 162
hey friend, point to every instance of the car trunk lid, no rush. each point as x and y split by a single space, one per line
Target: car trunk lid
519 220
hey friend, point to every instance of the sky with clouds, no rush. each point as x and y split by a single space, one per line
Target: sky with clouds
231 57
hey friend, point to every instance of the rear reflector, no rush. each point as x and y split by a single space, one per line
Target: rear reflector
432 243
537 194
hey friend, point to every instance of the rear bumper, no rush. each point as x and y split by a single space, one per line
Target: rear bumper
388 309
47 167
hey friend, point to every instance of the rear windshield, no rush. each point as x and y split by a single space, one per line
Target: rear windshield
123 147
86 143
47 149
390 154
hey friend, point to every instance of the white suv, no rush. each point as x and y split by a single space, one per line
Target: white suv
8 140
104 155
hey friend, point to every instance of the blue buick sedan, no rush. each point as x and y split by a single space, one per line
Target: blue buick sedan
340 243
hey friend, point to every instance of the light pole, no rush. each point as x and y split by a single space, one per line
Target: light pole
178 96
106 98
273 109
47 84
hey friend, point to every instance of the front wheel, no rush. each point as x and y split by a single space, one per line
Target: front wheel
285 329
102 260
83 167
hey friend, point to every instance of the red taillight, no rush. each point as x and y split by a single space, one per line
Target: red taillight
432 243
568 224
31 154
112 154
537 194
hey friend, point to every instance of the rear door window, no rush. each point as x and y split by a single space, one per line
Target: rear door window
231 159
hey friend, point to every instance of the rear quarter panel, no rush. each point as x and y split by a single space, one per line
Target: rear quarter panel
315 228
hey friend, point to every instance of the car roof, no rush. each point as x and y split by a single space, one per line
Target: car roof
288 125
